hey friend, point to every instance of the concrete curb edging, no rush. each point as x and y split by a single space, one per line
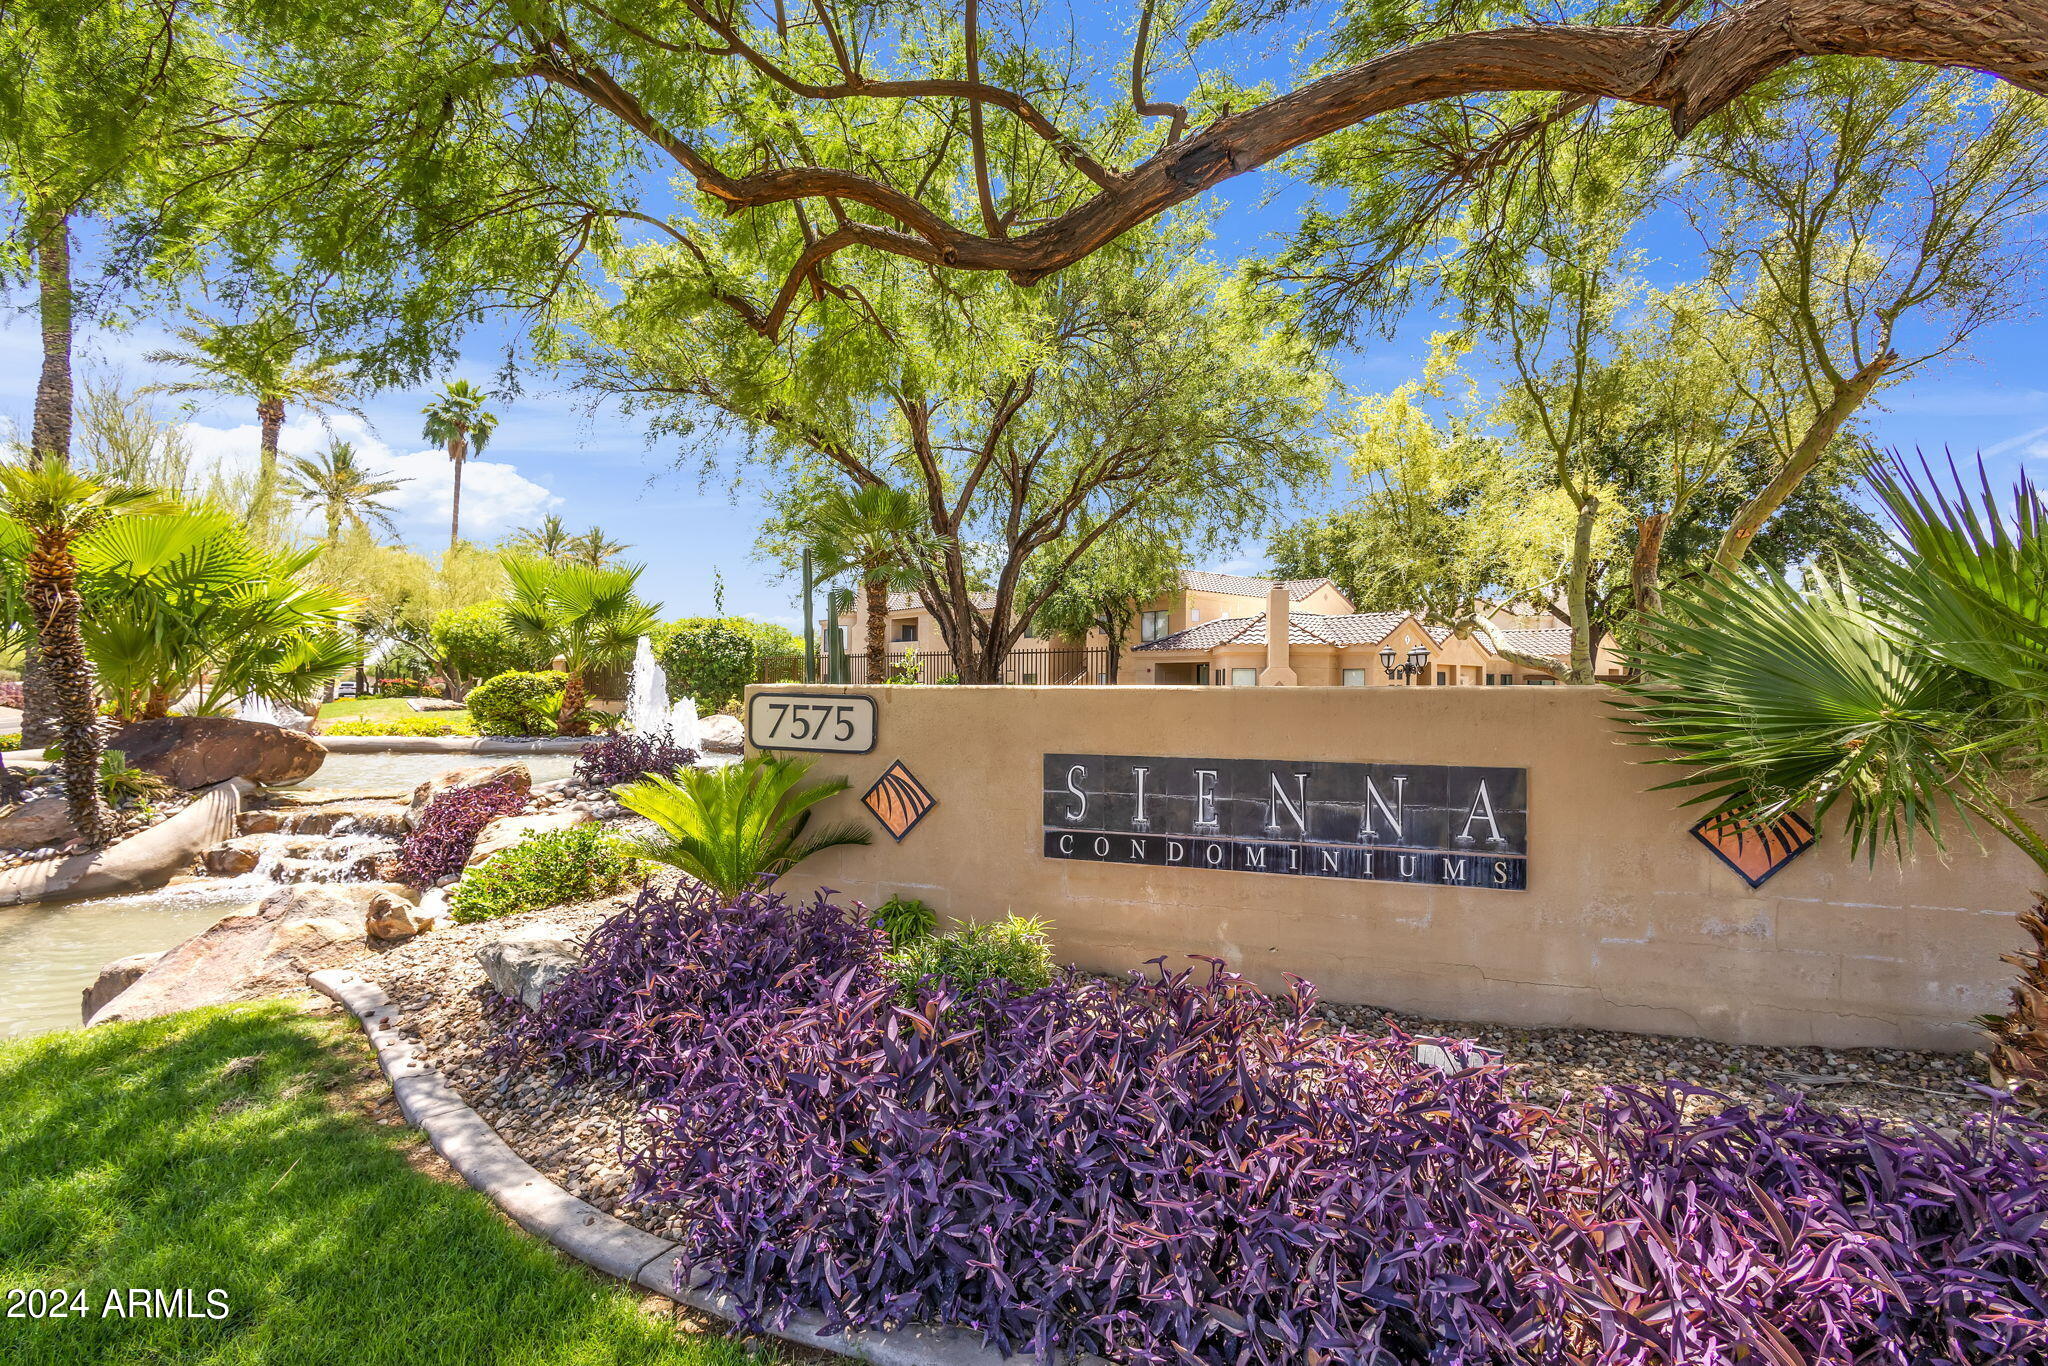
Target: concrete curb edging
586 1232
449 744
143 861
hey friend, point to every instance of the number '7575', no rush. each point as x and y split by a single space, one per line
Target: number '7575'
829 724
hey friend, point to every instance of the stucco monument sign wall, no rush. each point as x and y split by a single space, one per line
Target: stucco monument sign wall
1419 823
1610 910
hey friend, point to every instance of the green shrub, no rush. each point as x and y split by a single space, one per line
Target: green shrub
712 663
547 868
905 918
10 742
1004 957
120 784
517 703
404 725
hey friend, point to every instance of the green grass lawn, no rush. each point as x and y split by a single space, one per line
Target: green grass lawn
390 709
231 1149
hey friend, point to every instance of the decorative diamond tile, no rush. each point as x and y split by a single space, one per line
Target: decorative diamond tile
1756 852
898 800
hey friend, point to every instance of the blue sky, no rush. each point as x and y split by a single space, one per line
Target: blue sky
551 456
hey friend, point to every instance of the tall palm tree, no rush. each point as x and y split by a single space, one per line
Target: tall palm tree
345 493
595 549
1907 692
590 618
265 361
548 541
462 425
871 534
57 507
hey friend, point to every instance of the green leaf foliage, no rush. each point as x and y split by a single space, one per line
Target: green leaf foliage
905 918
547 868
517 703
1011 956
713 663
1902 692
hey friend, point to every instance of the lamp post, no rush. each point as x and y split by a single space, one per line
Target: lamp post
1413 666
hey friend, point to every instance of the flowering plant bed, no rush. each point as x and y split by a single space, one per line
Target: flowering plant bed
1178 1168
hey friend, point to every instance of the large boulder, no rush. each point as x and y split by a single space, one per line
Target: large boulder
296 930
721 733
115 978
424 794
528 961
194 751
506 831
392 917
36 823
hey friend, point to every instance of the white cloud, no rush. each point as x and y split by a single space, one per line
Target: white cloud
495 496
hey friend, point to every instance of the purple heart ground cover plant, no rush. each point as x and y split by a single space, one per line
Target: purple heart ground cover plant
626 756
446 834
1178 1168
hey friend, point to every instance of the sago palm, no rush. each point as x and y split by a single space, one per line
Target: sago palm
56 508
591 618
871 534
335 484
1908 693
731 827
459 423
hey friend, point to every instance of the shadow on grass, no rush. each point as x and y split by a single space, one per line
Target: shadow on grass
201 1152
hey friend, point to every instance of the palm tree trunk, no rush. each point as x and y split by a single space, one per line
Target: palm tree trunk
1645 575
49 435
877 591
455 509
269 423
569 721
52 592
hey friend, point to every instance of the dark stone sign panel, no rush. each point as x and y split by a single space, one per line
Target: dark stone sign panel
1419 823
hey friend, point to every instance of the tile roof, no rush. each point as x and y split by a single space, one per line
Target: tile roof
1236 585
1303 628
905 602
1551 642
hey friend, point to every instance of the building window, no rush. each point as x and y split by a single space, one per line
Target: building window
1152 626
1194 616
1029 679
1489 680
1354 678
1440 678
1201 673
906 631
1244 678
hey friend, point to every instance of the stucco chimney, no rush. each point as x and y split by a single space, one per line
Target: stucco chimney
1279 603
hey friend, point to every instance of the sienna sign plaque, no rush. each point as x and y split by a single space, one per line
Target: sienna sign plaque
1418 823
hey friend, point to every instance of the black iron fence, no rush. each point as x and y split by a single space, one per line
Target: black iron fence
1043 667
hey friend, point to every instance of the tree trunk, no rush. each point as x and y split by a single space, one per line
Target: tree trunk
2019 1051
569 721
52 593
1848 397
877 594
269 423
50 435
1582 616
455 508
1646 596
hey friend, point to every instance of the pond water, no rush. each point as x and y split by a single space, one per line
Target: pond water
392 772
50 954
